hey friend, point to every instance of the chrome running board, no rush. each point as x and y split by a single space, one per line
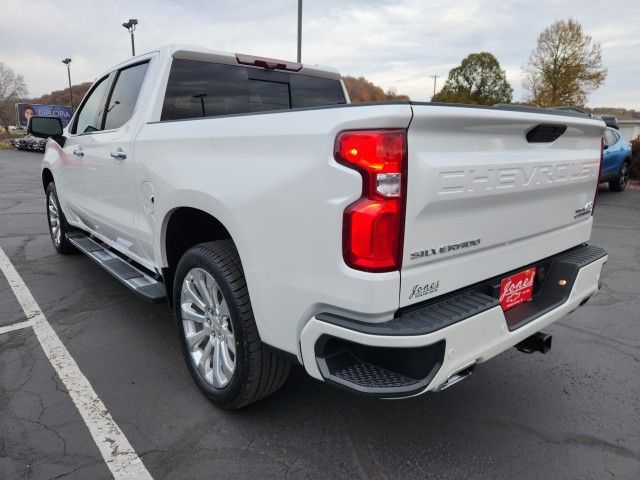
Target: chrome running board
132 277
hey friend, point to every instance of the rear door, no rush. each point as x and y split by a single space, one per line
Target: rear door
484 198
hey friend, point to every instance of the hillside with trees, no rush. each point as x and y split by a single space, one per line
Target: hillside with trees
619 113
362 90
62 97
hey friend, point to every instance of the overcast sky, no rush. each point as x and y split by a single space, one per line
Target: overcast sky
396 44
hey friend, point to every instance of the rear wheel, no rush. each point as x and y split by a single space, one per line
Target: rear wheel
58 226
218 333
620 182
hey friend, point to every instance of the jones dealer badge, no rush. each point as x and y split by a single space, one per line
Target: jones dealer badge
424 289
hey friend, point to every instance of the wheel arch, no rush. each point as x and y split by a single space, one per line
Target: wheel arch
47 177
182 228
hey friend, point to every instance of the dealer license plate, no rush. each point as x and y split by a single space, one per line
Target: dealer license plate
517 289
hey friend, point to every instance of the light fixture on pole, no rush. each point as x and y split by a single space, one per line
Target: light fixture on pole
67 62
131 26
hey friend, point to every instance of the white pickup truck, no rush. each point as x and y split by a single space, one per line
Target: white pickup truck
387 248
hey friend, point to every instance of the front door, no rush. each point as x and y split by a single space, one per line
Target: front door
109 166
71 177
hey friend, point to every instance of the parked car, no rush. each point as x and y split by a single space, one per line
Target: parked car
610 121
616 161
387 248
29 142
17 143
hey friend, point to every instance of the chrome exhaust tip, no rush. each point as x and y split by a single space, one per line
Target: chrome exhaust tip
457 377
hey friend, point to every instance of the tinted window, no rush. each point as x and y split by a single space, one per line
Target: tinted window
90 115
267 95
309 91
204 89
124 96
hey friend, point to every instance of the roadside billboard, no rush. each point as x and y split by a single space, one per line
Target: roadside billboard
26 110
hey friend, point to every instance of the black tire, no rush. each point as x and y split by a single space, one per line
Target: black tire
620 182
258 370
60 241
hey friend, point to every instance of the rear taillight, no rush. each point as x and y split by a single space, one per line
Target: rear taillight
373 224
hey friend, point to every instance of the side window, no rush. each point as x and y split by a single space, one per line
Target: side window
616 137
609 139
90 115
124 95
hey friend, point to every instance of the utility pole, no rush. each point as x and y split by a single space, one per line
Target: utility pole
67 61
299 31
435 77
131 26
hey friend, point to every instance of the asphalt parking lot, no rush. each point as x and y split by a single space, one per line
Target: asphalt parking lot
572 413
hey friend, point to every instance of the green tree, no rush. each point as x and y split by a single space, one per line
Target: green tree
477 80
12 88
565 67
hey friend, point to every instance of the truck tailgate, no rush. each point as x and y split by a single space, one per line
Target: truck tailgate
483 199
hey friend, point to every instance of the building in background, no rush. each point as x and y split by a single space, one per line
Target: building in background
630 129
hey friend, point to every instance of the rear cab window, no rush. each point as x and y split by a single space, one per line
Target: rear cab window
205 89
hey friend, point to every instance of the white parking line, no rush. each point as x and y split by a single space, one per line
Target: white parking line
116 450
16 326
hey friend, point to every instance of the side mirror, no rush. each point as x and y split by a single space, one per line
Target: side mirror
605 146
45 127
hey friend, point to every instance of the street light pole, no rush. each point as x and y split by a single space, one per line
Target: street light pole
299 31
67 61
131 27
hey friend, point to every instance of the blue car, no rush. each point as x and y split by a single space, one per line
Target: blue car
616 161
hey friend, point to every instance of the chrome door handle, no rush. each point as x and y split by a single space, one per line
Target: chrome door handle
78 152
119 154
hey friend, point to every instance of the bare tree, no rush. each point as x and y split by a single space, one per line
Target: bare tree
12 88
565 67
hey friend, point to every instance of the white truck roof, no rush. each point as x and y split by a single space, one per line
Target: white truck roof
194 52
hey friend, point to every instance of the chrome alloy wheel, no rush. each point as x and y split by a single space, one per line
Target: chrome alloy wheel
54 218
207 327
